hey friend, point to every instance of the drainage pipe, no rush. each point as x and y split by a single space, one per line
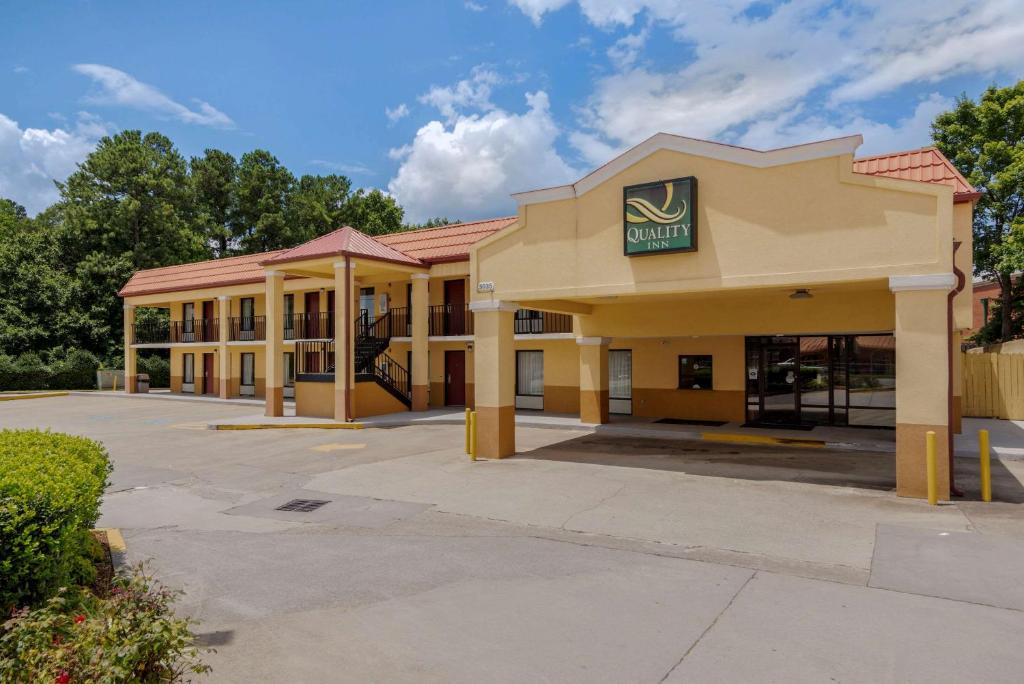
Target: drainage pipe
961 280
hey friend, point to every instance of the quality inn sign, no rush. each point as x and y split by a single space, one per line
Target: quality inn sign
660 217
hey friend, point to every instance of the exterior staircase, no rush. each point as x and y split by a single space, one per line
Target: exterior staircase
372 364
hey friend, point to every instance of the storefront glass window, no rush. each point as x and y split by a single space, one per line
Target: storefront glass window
695 372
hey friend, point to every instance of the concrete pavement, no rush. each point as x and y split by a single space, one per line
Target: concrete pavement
586 558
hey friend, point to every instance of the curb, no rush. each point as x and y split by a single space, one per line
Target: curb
285 426
35 395
115 543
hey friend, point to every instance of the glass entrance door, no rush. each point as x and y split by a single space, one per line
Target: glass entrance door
780 364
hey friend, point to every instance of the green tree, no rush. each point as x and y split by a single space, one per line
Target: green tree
213 179
131 197
985 141
260 222
318 204
433 222
373 212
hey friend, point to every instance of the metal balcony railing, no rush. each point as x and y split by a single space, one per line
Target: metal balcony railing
531 322
309 326
248 328
448 320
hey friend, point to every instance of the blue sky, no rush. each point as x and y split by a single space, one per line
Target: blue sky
452 105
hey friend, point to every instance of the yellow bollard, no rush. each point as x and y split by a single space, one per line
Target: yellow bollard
933 484
468 449
986 466
472 436
113 388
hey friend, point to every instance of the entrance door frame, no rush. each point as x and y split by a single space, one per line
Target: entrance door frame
448 399
209 368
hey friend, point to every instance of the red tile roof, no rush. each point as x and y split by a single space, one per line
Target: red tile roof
217 272
926 164
415 248
445 243
346 241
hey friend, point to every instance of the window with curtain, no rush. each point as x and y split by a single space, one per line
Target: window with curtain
620 374
188 374
530 373
248 369
248 314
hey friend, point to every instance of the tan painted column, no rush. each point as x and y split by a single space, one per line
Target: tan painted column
224 360
419 310
130 355
593 379
344 352
275 343
922 401
494 377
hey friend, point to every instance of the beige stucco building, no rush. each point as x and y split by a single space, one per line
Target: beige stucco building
684 280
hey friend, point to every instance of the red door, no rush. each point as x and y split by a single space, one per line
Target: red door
207 325
327 329
455 307
208 387
312 314
454 378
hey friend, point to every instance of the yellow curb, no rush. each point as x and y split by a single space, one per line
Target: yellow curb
36 395
762 439
287 426
114 539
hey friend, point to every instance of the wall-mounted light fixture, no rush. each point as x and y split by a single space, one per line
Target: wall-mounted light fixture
802 293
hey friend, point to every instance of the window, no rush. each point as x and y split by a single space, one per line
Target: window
188 374
620 381
984 310
289 317
248 369
248 314
289 369
695 372
188 315
530 379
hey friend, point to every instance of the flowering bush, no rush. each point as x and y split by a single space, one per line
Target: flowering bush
130 636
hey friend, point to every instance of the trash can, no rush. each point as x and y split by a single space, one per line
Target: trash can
142 383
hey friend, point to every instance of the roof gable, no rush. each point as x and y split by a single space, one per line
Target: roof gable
701 148
346 241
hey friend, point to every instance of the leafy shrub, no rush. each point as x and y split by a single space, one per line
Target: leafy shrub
50 489
75 369
24 372
130 636
158 369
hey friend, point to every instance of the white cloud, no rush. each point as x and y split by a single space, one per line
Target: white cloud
21 69
749 62
118 88
536 9
624 52
474 6
789 128
472 93
467 168
31 159
343 167
396 113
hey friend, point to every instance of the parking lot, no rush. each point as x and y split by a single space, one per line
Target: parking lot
584 558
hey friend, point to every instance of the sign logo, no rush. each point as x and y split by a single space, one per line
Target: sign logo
660 217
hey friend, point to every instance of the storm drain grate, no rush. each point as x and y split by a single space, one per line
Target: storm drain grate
302 505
